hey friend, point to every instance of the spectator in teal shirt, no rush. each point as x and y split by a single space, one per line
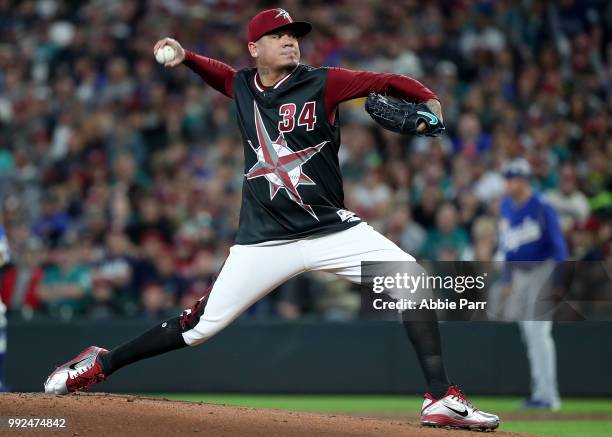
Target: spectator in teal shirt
66 285
446 235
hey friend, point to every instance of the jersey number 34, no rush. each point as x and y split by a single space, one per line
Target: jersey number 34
306 118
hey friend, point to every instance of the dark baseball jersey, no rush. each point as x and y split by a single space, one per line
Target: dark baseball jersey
292 182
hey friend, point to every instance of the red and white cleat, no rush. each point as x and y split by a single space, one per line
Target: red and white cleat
83 371
455 411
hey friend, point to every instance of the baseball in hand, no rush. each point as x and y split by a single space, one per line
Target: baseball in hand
165 54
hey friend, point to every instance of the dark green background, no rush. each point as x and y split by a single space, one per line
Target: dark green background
309 357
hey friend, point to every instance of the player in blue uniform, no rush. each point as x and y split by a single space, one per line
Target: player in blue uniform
530 231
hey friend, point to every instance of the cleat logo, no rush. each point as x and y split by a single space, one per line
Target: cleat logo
463 413
281 166
73 365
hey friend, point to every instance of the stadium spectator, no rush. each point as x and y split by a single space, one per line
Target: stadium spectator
571 204
447 240
20 281
66 283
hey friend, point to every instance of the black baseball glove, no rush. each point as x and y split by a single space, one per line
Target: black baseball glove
401 116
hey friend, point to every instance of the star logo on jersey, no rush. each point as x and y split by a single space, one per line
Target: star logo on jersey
280 165
282 13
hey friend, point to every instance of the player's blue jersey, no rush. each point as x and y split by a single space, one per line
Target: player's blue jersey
531 231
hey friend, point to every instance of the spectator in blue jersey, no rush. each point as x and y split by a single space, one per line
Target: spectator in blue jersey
530 231
53 223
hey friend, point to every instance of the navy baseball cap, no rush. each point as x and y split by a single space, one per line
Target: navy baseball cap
517 168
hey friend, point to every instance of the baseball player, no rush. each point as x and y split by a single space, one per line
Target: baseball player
530 231
5 257
292 217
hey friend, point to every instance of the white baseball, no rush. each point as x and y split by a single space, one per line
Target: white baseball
165 54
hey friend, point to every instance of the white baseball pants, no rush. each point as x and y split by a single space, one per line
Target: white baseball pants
252 271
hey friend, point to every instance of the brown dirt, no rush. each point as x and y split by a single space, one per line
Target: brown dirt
115 415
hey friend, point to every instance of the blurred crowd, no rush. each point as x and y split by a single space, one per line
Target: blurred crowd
121 180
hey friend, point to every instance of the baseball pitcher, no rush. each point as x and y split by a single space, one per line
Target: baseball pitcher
292 217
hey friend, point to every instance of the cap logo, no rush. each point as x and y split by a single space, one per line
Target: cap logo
283 13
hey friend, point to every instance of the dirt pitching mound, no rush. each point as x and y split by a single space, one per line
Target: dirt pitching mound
110 415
